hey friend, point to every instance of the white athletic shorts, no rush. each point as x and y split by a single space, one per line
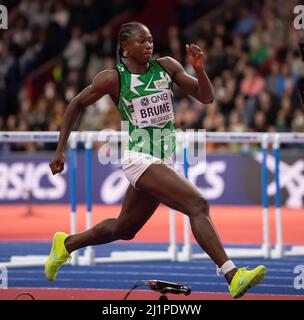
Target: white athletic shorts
134 164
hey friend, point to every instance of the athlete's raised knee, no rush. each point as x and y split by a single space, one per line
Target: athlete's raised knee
199 206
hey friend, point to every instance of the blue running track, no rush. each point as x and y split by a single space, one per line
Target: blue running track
199 274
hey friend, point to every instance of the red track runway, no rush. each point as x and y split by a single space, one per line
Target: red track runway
89 294
236 224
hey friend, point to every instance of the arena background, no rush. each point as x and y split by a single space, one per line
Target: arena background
53 49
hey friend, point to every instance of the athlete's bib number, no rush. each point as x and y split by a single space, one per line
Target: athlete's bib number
154 109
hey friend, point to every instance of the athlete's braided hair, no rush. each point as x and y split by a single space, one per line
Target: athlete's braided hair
125 31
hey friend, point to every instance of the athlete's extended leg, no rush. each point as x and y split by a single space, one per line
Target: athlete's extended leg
175 191
137 208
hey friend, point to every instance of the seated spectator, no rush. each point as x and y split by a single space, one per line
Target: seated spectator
74 53
297 124
252 84
259 122
235 123
281 122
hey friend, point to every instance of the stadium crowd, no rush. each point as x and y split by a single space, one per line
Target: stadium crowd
254 63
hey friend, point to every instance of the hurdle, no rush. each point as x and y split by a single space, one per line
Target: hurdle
89 257
265 250
37 136
280 249
172 253
236 252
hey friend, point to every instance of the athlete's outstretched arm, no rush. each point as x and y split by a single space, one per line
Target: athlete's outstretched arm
105 82
200 87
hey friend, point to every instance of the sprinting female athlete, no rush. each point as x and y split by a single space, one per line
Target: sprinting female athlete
142 90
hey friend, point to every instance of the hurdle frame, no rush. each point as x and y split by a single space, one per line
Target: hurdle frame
89 257
172 253
280 249
236 252
266 250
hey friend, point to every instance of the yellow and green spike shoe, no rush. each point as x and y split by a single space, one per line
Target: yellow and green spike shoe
245 279
58 256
